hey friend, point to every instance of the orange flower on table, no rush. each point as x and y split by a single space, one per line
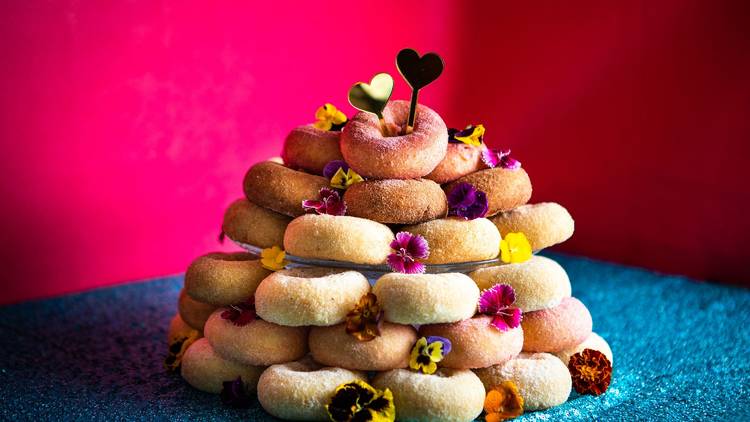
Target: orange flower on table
363 322
591 372
503 402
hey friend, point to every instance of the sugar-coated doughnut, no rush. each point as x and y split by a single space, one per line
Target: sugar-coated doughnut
476 343
281 189
179 329
258 343
460 160
542 380
373 155
447 395
505 188
205 370
556 329
544 224
594 341
299 391
339 238
310 149
193 312
426 298
396 201
539 283
309 296
390 350
248 223
454 239
223 279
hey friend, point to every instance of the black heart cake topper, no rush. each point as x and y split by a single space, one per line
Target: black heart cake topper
374 96
418 72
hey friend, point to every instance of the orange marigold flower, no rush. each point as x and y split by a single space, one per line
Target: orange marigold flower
363 322
591 372
503 402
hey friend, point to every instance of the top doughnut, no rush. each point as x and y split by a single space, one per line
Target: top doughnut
373 155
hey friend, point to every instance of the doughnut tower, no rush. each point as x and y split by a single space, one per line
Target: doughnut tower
429 304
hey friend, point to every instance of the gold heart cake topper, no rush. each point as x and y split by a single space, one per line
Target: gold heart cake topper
418 72
372 97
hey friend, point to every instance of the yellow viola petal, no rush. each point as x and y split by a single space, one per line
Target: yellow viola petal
323 124
430 368
338 180
518 248
504 251
352 177
273 259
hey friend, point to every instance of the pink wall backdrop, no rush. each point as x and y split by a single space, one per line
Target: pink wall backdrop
127 126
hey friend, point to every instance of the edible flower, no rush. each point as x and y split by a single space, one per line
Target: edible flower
503 402
515 248
499 158
465 201
591 372
409 247
330 203
359 401
497 301
234 393
333 167
343 179
471 135
241 314
427 352
177 348
273 259
328 117
363 322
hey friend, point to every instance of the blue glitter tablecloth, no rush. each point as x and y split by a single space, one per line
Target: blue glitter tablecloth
679 349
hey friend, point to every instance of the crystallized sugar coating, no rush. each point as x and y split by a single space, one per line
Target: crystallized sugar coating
460 160
300 390
505 188
454 239
224 279
539 283
395 201
310 149
193 312
426 298
543 381
555 329
411 156
339 238
309 296
205 370
544 224
246 222
594 342
447 395
281 189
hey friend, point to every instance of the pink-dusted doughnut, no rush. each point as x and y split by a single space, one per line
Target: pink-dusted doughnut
460 160
310 149
476 343
555 329
373 155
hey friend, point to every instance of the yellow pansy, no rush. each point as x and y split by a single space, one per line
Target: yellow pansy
515 248
427 352
343 179
472 135
329 117
273 258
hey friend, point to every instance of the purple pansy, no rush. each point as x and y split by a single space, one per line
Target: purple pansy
464 200
446 343
499 158
409 247
497 302
332 167
241 314
234 393
330 203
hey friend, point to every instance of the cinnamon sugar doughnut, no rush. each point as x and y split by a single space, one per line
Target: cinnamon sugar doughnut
454 239
223 279
309 296
446 395
505 188
593 341
310 149
390 350
460 160
193 312
205 370
426 298
542 380
281 189
340 238
539 283
258 343
544 224
178 329
396 201
248 223
476 343
556 329
300 390
373 155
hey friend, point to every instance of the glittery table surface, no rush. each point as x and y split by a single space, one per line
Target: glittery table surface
680 353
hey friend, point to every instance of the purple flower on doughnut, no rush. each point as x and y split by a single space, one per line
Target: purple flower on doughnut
333 166
446 343
330 203
464 200
409 248
499 158
498 301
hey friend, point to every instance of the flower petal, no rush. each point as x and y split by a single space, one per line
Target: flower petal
333 167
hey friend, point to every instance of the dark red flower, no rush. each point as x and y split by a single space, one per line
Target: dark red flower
241 314
330 203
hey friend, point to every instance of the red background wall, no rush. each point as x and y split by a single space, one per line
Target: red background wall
127 126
